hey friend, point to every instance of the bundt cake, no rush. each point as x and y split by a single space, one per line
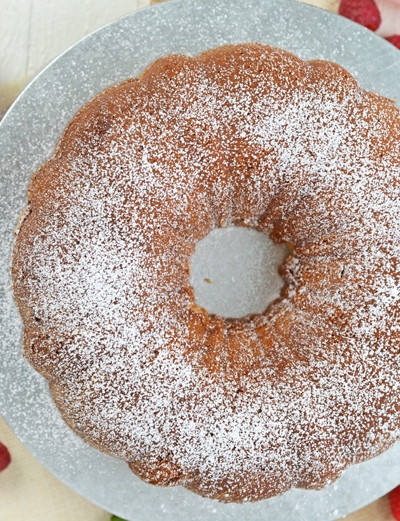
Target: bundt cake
232 409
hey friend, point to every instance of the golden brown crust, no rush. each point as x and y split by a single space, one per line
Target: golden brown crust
236 410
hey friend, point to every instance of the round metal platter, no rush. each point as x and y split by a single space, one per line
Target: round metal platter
28 135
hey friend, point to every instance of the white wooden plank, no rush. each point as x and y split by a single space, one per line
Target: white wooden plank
390 12
33 32
57 25
14 35
330 5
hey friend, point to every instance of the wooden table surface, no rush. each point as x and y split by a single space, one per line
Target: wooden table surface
37 31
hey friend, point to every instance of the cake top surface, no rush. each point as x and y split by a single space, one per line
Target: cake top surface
251 136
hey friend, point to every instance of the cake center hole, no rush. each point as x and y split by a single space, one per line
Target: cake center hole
234 272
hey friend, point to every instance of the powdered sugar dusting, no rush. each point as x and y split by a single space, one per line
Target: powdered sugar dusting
248 136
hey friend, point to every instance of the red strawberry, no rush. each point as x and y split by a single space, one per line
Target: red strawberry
395 40
5 457
364 12
394 500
